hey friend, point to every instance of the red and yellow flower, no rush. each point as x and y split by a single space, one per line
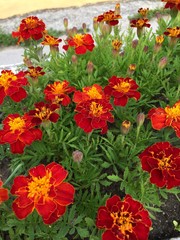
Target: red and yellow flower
173 32
11 85
167 117
4 196
162 161
34 72
88 93
143 11
140 23
30 28
44 113
121 89
58 92
51 41
43 189
19 131
172 4
123 219
80 42
93 114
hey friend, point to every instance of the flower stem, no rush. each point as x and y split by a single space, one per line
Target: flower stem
13 173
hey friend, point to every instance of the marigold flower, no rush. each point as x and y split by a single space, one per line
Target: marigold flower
44 112
43 189
52 42
123 219
110 17
173 32
4 196
19 131
159 39
122 89
80 42
140 23
125 127
143 11
172 4
34 72
11 85
94 114
162 161
30 28
168 117
116 44
58 92
88 93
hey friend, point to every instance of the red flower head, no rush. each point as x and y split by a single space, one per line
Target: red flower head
93 114
19 131
51 41
172 4
3 193
110 17
43 189
173 32
30 27
123 220
11 85
80 42
140 23
44 112
168 117
57 92
122 89
162 161
34 72
93 92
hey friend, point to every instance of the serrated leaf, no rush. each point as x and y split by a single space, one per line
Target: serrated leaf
114 178
89 221
83 232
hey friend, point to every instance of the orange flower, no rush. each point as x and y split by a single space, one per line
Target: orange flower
94 114
122 89
30 28
43 189
140 23
88 93
19 131
11 85
3 193
168 117
58 92
123 219
172 4
159 39
80 42
116 44
173 32
51 41
35 72
143 11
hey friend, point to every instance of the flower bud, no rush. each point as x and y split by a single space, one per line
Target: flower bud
134 43
65 21
77 156
125 127
95 24
140 119
117 9
163 62
84 27
74 59
131 69
90 67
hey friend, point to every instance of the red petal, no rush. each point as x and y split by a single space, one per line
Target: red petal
17 147
26 137
2 95
157 177
38 171
108 235
55 215
22 213
80 50
19 182
18 96
65 194
59 174
121 101
104 220
3 195
112 201
46 208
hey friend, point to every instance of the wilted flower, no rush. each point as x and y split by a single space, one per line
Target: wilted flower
162 161
4 196
121 89
125 127
123 219
19 131
80 42
30 28
11 85
167 117
163 62
93 114
58 92
43 189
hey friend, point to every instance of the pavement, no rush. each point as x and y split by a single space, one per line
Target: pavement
53 18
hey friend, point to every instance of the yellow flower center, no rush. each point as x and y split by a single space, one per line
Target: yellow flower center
16 124
96 109
123 220
78 39
93 93
140 23
116 44
58 88
31 23
6 78
43 114
159 39
174 112
39 187
122 87
164 162
49 40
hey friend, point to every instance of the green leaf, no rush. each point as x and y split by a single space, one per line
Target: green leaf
89 222
83 232
114 178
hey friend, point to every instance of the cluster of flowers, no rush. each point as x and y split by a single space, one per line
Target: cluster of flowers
44 188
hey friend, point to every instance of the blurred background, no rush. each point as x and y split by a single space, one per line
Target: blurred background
11 8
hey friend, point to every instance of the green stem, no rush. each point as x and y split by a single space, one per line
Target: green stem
13 173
